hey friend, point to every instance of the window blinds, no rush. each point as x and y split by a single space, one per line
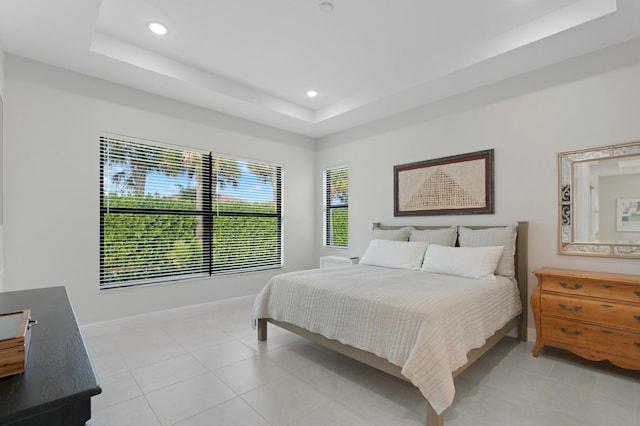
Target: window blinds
169 213
337 206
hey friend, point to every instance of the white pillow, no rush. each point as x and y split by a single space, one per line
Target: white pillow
401 234
469 262
441 236
503 236
394 254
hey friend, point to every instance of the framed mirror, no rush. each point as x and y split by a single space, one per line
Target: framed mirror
599 201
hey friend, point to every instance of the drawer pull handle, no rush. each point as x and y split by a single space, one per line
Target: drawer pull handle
637 293
606 331
604 305
637 317
607 286
571 333
638 344
576 286
574 309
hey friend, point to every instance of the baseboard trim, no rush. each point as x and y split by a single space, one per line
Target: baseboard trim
104 327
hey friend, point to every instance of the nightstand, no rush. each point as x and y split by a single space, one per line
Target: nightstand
337 261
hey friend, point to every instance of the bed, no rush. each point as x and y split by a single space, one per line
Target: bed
422 326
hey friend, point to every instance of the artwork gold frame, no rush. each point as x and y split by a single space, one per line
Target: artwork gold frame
459 184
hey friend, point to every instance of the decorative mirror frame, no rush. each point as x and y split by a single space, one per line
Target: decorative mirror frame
566 222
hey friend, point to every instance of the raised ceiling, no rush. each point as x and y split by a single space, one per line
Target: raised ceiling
257 58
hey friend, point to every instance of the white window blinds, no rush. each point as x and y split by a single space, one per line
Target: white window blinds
170 213
336 203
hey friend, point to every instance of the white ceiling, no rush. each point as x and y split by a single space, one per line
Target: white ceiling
256 58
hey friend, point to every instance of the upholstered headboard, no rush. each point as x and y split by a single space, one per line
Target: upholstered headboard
520 262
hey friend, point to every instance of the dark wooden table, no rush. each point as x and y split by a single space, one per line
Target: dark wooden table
59 380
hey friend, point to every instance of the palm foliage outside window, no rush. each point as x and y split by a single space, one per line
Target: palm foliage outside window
169 213
336 203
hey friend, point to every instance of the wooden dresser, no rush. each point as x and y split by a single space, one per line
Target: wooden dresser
595 315
59 381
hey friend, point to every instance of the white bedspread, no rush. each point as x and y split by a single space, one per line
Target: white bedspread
425 323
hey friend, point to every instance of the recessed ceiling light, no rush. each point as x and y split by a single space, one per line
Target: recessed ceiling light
157 28
326 7
312 93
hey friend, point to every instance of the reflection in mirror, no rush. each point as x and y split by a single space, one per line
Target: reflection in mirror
599 201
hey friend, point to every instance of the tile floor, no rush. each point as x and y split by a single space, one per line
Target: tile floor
210 370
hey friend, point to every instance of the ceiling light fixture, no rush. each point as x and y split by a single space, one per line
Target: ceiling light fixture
326 7
157 28
312 93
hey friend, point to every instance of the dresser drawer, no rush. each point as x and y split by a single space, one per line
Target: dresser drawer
621 343
592 288
604 312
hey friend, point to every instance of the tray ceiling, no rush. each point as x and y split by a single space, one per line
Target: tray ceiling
256 59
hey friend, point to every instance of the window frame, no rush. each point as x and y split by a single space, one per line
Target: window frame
207 212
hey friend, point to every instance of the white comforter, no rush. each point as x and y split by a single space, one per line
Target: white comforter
425 323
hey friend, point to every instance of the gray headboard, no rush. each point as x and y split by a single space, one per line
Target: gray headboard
521 264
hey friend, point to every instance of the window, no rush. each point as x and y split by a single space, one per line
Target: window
336 203
169 213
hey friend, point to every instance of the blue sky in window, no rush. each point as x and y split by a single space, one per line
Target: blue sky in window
249 187
159 183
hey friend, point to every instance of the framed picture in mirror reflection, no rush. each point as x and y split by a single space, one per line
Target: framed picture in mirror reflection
628 215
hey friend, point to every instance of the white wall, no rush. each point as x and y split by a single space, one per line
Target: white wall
53 121
586 102
1 68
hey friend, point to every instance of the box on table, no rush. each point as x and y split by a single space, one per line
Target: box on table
15 335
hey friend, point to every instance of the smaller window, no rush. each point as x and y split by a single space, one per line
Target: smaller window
336 207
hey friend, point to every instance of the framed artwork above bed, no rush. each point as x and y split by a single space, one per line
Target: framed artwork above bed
459 184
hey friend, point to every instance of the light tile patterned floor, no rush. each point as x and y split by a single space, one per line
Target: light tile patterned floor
210 370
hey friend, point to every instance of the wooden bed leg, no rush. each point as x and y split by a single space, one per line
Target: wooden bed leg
433 418
262 329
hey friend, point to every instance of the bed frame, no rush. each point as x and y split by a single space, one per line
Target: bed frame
433 419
